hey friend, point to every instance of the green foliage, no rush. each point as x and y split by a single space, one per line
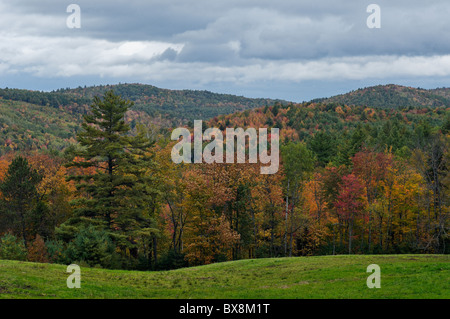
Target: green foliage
171 260
182 105
56 251
93 247
32 120
104 140
119 177
275 109
40 220
298 160
324 145
19 189
25 126
12 248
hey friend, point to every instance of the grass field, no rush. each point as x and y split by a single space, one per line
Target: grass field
402 276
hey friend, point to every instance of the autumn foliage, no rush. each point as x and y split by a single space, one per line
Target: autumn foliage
379 189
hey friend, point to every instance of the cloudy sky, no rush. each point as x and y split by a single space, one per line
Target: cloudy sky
289 49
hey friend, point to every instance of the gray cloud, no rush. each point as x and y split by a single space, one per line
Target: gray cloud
205 42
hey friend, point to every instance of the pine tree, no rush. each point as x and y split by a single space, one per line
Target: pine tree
103 139
117 189
142 195
19 190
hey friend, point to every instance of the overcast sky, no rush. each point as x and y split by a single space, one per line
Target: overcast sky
289 49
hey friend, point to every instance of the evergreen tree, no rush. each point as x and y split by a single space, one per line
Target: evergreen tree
298 163
323 144
19 195
117 186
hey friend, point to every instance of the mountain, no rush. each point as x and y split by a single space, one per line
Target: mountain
392 97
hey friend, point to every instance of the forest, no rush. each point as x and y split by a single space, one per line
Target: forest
352 180
49 121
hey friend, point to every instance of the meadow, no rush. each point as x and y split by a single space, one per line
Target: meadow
331 277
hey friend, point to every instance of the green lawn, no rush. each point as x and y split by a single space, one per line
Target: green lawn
402 276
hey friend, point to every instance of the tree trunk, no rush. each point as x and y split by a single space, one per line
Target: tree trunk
350 230
369 239
155 250
334 240
22 221
286 220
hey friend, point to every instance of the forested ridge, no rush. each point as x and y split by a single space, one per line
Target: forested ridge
392 96
34 120
353 180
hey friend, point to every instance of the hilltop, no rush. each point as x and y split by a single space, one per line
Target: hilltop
172 107
179 106
392 96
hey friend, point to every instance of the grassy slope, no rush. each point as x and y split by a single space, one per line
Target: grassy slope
402 276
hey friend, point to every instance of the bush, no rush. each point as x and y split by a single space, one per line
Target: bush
12 248
37 252
93 247
56 252
171 260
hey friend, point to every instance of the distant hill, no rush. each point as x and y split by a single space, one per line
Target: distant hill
50 120
180 106
171 107
445 92
392 97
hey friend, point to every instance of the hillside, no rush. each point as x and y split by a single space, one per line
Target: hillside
32 120
402 277
179 106
392 96
173 107
445 92
26 126
335 132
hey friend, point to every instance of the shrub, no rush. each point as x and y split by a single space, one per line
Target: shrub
12 248
56 252
37 252
171 260
92 246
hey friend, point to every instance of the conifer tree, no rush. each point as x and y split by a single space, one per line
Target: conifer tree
117 187
19 190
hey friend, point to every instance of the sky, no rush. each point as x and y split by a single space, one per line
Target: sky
285 49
